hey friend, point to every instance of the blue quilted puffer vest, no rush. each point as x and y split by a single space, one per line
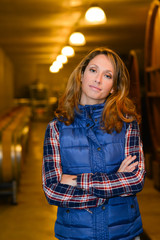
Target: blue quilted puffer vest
85 148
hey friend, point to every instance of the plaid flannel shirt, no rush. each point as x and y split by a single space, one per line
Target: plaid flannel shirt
92 189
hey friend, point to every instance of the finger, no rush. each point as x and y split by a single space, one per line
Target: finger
125 161
129 168
132 167
130 157
129 160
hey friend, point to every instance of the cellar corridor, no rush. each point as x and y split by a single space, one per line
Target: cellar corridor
38 53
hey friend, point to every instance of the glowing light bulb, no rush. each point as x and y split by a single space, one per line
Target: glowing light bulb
62 58
77 39
53 69
95 15
68 51
57 64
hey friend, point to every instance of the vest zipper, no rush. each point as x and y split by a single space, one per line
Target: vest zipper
87 209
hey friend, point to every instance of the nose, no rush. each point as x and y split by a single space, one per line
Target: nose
98 78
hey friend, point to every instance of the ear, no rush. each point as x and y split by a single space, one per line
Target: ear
111 91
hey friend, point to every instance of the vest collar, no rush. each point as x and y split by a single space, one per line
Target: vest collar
89 115
90 111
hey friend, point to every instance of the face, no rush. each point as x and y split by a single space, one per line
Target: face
97 80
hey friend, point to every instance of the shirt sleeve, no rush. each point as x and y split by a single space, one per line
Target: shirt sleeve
56 193
120 183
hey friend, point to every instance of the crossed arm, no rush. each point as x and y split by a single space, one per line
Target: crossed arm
126 166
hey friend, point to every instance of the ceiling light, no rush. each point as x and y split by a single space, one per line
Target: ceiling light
62 58
77 39
53 69
68 51
55 66
95 15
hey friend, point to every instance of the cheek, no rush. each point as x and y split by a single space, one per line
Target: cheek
108 86
83 85
84 81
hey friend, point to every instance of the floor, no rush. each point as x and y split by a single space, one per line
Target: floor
149 202
33 218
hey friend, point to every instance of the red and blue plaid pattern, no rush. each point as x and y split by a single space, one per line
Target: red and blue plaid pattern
92 189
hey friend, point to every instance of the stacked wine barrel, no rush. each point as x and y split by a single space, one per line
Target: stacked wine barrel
152 83
136 69
138 95
14 130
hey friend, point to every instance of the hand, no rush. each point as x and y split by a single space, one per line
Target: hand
69 179
127 165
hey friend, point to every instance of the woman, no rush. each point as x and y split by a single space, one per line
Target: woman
93 159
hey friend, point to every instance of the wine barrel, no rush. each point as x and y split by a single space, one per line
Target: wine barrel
12 143
12 146
138 95
5 121
152 83
136 69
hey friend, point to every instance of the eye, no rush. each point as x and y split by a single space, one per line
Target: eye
109 76
92 70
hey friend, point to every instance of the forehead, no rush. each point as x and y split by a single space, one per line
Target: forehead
102 60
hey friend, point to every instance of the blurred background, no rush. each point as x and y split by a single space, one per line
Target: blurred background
41 42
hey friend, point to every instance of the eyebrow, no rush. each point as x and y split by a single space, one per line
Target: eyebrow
95 65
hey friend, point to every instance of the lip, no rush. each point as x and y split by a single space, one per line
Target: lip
95 88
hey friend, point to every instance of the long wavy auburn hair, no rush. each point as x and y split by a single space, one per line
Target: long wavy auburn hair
118 106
